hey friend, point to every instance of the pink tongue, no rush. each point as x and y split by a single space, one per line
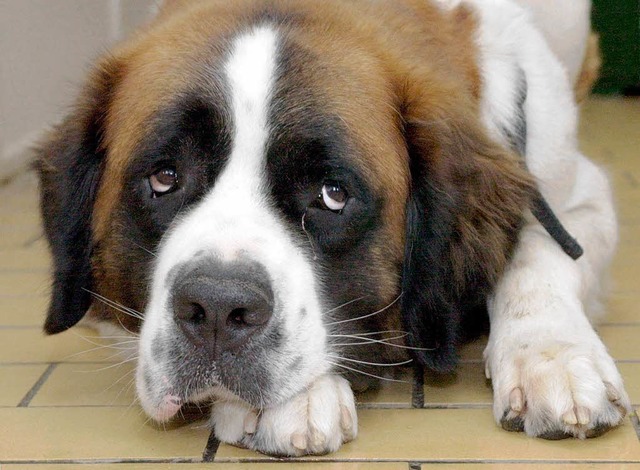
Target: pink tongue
168 407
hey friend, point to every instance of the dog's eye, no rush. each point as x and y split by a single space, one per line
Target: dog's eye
163 181
333 197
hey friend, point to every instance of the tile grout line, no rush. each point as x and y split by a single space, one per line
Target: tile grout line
36 387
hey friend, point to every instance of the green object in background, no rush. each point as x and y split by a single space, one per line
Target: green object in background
618 23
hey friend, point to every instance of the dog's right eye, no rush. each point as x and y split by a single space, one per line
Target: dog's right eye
163 181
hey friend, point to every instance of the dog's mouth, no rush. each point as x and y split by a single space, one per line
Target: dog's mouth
262 376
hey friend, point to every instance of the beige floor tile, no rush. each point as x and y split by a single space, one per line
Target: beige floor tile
20 237
623 309
391 394
473 351
75 345
629 210
468 386
609 130
89 385
23 311
626 184
626 256
463 434
16 381
19 198
623 342
20 192
626 279
33 258
92 433
27 284
629 237
631 375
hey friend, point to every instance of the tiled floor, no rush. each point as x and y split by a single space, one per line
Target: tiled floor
65 400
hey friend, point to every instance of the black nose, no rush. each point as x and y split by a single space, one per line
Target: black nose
221 306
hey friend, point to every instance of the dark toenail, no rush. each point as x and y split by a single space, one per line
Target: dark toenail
598 430
554 435
512 424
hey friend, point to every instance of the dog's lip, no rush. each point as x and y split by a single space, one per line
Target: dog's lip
167 408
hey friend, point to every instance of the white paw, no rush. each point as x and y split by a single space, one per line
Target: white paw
553 388
316 421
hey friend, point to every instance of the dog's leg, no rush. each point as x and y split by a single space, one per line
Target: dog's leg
317 421
552 375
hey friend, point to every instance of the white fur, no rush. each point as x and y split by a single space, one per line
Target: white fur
566 27
547 364
316 421
235 219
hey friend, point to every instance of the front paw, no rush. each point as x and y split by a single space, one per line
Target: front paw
316 421
556 389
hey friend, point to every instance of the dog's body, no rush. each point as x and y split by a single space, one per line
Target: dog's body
292 190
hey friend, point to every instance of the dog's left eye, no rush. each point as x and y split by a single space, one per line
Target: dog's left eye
333 197
163 181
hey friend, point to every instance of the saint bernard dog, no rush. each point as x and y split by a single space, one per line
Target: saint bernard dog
289 199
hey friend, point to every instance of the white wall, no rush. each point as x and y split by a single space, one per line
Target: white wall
46 48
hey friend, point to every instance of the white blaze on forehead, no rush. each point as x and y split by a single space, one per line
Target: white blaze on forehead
250 74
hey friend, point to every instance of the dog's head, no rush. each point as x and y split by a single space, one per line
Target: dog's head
274 187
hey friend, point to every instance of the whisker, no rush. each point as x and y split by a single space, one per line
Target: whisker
404 333
384 341
117 355
122 388
111 337
362 340
86 351
115 305
110 345
142 248
345 304
135 335
111 366
378 364
368 374
365 316
100 347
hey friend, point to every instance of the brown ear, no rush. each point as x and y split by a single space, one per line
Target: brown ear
69 164
468 196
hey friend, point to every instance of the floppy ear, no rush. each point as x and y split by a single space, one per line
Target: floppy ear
69 165
468 197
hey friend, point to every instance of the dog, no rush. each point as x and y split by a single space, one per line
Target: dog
287 198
